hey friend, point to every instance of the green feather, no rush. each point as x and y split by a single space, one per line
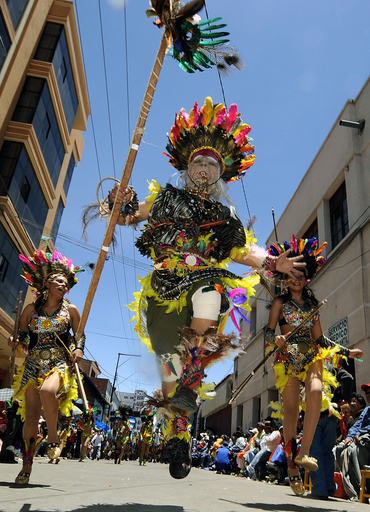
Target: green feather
214 43
215 27
207 22
212 36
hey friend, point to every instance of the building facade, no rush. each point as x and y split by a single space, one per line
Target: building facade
44 108
332 203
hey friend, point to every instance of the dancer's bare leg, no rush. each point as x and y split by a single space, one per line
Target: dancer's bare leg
313 384
50 404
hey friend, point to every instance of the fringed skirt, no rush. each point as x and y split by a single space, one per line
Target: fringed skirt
291 362
41 362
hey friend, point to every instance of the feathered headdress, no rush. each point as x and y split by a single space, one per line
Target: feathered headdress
194 44
306 247
212 129
125 410
43 264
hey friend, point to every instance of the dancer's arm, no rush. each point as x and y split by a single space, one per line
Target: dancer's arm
323 341
74 316
259 259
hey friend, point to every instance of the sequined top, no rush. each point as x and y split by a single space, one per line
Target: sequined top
294 314
43 327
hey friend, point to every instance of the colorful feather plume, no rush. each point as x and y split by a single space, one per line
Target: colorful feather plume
303 246
38 267
194 44
212 126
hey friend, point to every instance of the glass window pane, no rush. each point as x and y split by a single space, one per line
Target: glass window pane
16 10
11 281
69 174
32 211
4 41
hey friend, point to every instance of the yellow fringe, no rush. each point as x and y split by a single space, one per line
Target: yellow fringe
65 401
154 188
328 381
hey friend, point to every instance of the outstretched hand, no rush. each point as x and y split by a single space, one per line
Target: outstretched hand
287 265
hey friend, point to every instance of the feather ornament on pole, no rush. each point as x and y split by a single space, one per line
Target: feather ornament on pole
194 44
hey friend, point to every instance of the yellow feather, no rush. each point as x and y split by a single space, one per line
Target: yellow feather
207 111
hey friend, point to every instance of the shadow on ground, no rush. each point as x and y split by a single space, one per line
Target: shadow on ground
101 507
279 507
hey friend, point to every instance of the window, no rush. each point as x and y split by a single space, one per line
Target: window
35 107
10 274
19 182
16 10
53 48
29 99
339 215
312 231
25 189
4 41
57 219
69 174
4 263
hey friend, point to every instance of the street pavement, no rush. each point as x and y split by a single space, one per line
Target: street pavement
102 486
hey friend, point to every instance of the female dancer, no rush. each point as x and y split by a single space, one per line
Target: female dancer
87 425
123 433
145 435
300 358
46 380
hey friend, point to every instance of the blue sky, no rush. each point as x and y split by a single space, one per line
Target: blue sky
302 61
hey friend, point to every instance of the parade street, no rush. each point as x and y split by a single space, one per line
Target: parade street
94 486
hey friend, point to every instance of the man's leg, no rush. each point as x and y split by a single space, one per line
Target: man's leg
318 478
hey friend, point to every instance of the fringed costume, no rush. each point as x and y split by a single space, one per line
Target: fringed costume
190 240
301 351
299 320
47 342
192 237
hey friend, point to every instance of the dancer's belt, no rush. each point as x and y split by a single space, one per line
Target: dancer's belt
187 260
47 353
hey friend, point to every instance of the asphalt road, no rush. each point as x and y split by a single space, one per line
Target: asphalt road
101 486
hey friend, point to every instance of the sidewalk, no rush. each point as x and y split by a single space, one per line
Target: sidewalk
102 486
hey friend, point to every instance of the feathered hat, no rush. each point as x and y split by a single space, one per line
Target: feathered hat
212 130
38 268
124 410
306 247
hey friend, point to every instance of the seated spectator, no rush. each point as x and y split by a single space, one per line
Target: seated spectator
354 452
222 460
277 463
346 421
269 442
357 405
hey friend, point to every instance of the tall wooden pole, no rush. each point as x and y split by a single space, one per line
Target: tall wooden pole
15 336
135 142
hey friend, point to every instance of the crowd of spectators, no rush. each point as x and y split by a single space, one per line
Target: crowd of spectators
341 445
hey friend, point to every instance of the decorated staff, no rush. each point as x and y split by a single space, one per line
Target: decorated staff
299 356
46 380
